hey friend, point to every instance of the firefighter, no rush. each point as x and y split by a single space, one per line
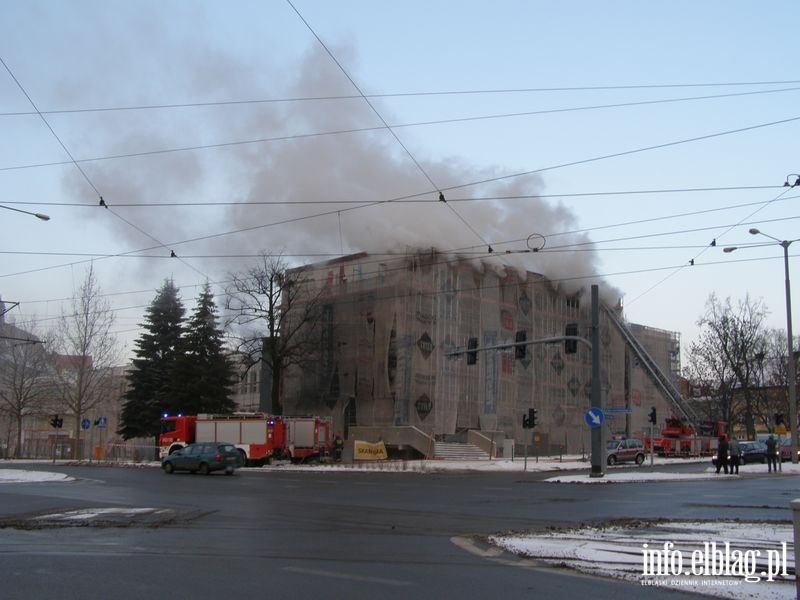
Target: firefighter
338 447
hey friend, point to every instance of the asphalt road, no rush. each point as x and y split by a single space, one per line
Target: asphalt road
331 535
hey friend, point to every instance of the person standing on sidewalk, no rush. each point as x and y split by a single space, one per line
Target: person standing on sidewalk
722 453
772 454
736 455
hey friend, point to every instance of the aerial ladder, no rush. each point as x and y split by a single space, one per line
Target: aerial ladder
664 383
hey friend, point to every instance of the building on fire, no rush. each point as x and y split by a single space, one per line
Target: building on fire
385 369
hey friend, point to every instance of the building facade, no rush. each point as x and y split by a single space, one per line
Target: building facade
388 328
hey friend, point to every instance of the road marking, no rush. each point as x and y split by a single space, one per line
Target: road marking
337 575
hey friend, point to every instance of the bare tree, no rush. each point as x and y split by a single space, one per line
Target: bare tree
87 350
24 378
774 397
273 316
728 359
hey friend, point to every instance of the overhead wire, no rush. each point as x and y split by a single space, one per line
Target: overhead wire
544 281
455 187
413 200
386 125
728 229
571 247
393 95
335 132
81 170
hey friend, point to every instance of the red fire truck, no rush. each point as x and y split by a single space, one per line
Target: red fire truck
681 439
259 437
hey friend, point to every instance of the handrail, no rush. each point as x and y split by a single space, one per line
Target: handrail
406 435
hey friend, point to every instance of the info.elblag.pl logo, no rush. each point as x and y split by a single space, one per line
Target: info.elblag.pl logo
715 560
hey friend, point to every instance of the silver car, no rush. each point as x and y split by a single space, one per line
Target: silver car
630 450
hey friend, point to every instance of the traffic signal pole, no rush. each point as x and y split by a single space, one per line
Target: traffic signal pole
598 433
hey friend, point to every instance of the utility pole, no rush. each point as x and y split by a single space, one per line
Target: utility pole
598 433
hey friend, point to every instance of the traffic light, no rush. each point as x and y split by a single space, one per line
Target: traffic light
520 350
571 346
652 418
472 353
56 422
529 420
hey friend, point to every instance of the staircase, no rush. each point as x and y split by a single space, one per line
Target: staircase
652 369
458 451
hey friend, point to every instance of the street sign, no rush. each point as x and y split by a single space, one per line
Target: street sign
85 423
620 409
101 422
594 417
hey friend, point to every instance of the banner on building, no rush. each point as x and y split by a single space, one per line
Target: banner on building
369 451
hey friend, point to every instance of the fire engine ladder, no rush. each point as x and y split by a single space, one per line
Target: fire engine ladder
661 381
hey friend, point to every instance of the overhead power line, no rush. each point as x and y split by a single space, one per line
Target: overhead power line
335 132
693 261
474 92
411 200
80 169
453 187
466 289
386 125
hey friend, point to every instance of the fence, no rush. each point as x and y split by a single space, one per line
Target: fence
66 448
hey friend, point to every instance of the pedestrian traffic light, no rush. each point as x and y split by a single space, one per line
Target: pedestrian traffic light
652 418
571 346
472 354
520 349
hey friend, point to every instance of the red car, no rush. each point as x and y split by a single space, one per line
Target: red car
785 450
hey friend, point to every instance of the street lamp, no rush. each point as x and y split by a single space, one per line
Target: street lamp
790 344
37 215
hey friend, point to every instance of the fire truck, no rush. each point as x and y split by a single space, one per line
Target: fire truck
260 438
681 439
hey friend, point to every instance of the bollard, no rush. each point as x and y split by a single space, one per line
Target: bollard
796 520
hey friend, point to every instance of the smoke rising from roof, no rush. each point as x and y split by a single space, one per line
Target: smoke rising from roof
339 169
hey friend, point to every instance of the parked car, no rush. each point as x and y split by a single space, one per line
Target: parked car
618 451
785 450
203 458
750 452
753 452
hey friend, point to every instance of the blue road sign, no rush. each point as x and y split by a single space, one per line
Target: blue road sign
101 422
85 423
594 417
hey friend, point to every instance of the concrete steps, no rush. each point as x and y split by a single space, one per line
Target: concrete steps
458 451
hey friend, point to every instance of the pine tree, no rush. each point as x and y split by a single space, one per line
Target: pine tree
204 371
151 381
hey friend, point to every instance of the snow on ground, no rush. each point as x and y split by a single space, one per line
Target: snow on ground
614 551
20 476
619 551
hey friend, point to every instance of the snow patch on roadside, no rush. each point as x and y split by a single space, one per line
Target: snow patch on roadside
22 476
